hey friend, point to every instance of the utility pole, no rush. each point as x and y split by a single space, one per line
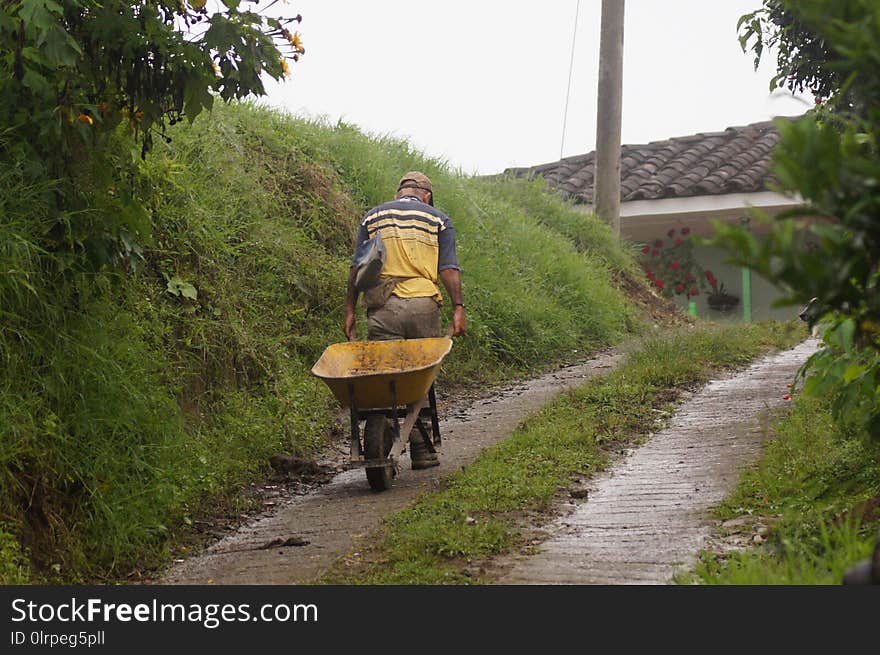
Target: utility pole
606 194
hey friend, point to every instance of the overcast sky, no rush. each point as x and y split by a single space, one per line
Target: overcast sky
481 84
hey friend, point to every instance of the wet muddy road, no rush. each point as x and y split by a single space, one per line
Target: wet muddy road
312 531
649 514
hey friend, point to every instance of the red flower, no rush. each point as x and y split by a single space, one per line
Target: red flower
658 243
679 288
650 275
675 266
685 231
646 249
671 233
659 283
694 292
678 242
654 253
787 397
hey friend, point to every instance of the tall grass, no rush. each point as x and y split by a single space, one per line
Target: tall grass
127 405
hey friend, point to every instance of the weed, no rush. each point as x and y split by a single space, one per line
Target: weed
817 486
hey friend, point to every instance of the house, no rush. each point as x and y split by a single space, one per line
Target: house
685 182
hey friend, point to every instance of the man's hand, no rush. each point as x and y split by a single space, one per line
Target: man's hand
451 278
350 326
459 322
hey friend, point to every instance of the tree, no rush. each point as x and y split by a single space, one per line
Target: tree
72 68
73 71
828 248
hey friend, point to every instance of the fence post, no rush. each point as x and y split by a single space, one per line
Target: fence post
746 282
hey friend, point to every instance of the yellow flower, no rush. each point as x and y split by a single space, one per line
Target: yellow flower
85 119
216 69
297 43
284 67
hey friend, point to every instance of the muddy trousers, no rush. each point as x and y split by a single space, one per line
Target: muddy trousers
404 318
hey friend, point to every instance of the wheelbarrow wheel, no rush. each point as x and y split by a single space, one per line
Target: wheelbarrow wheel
378 437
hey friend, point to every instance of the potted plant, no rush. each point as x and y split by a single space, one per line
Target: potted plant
719 298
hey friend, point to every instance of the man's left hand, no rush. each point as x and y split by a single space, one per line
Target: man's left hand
459 322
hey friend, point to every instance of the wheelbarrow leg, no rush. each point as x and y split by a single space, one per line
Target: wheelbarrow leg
394 416
412 415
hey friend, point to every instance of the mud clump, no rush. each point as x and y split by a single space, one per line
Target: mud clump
284 464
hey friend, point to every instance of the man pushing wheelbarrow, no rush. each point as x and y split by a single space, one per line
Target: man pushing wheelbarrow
403 250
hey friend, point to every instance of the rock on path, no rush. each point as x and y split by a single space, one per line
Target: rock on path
649 515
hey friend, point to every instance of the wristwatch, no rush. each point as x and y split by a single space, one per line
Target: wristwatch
457 304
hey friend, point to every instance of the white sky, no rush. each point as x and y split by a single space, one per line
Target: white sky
481 84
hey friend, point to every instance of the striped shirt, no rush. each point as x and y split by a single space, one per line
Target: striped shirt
419 243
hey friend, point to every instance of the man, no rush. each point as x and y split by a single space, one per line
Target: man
420 252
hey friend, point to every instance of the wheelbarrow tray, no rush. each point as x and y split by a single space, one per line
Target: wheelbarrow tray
364 370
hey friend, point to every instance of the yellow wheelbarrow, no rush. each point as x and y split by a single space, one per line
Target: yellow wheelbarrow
390 386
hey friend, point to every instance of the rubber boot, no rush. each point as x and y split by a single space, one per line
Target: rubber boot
421 457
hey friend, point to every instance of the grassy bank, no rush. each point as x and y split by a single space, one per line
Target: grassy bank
813 501
135 395
479 512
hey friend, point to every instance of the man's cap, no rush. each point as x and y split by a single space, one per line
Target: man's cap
416 180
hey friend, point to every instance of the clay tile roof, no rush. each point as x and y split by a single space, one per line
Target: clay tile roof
706 164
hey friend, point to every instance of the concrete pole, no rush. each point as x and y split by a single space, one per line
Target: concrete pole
606 199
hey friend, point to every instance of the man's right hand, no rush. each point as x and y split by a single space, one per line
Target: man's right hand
350 326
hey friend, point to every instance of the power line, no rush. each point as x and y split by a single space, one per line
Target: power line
570 67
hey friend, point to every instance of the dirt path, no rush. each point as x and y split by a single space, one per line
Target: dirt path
649 515
329 521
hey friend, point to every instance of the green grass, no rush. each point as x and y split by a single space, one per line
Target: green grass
128 410
479 512
817 487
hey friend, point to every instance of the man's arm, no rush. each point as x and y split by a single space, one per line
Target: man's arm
350 326
351 294
451 278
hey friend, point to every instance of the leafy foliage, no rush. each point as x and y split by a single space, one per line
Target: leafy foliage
802 56
829 248
72 69
77 75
